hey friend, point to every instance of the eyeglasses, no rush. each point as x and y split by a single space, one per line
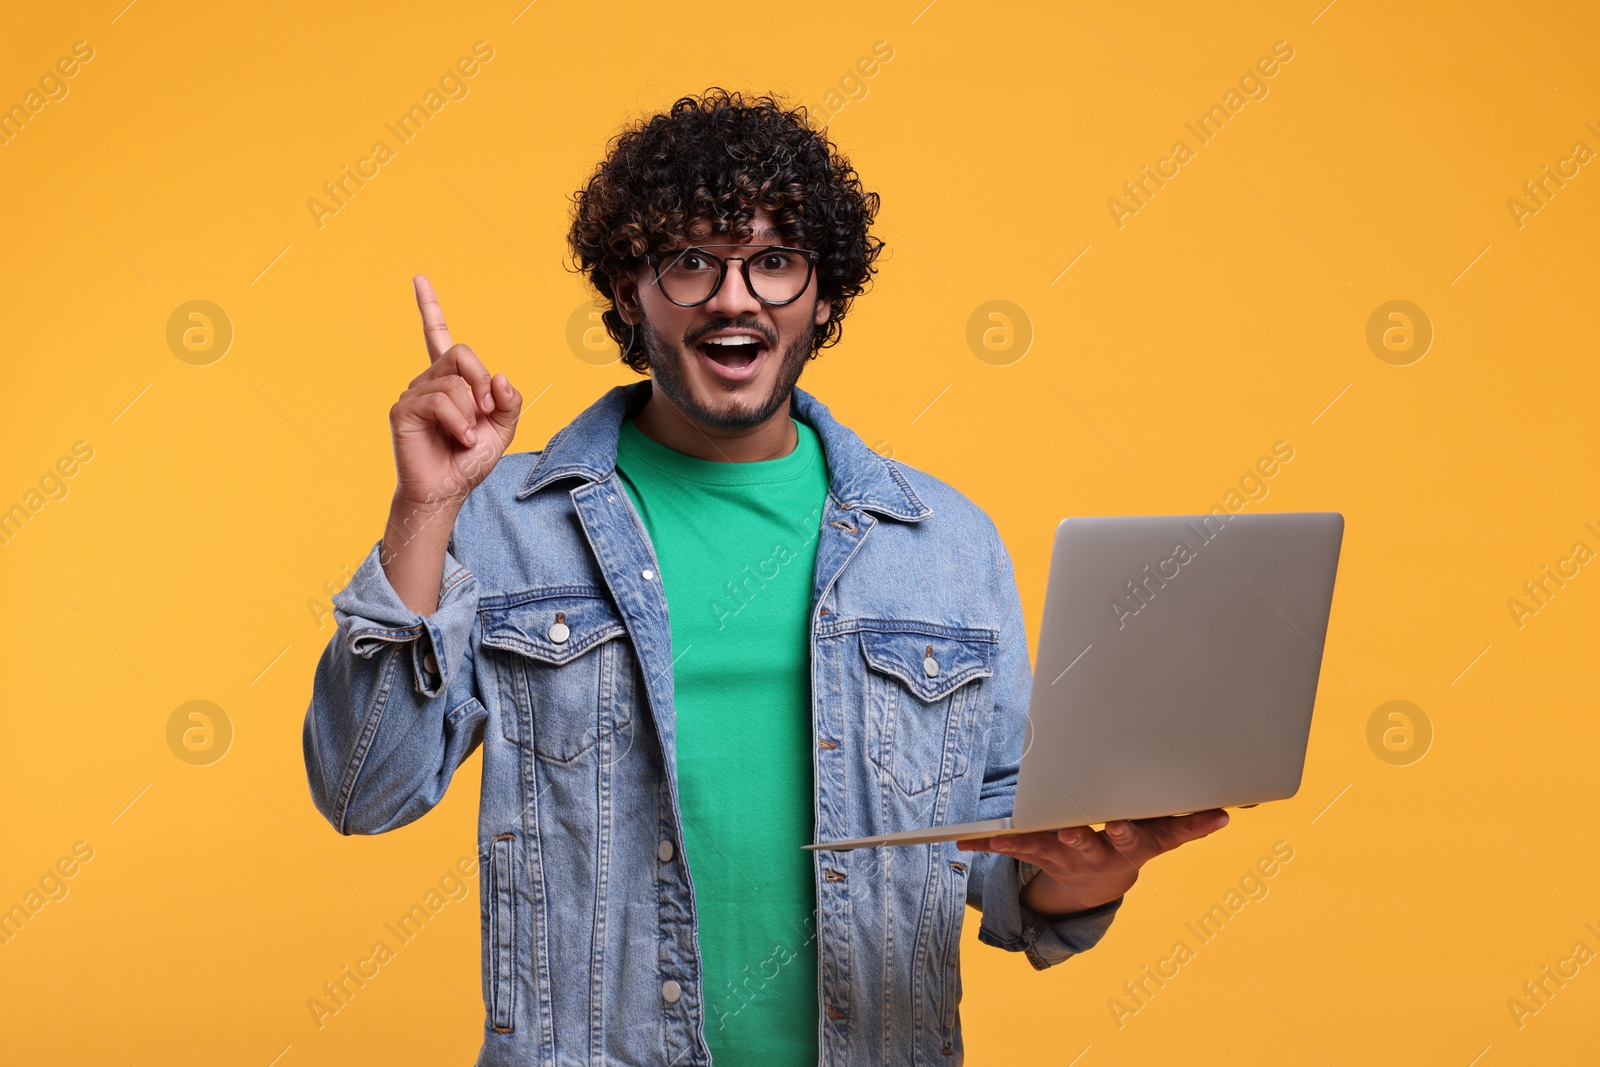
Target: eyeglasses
690 276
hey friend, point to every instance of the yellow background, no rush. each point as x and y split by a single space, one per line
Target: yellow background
187 558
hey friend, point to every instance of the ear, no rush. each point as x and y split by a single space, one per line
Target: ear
626 299
823 310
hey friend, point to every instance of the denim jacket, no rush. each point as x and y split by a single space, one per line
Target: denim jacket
588 908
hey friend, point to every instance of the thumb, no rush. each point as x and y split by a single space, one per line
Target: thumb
507 407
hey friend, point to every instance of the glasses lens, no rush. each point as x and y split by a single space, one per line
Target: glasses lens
777 275
689 276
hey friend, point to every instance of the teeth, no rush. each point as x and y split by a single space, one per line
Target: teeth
732 341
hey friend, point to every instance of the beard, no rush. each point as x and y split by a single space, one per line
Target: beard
669 374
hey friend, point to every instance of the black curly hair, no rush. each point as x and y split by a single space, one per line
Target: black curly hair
706 165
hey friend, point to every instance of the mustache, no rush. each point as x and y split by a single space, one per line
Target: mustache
693 337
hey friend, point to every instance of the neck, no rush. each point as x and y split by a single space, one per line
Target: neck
667 424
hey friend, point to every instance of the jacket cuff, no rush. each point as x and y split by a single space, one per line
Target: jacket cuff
372 616
1044 940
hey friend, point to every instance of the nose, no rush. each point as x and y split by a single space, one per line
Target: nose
734 298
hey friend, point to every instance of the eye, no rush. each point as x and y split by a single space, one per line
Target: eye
776 262
692 260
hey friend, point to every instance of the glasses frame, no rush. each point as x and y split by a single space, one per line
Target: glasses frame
654 260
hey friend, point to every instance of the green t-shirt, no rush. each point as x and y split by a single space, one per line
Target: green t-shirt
737 548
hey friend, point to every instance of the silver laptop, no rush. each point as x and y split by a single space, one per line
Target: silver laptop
1177 668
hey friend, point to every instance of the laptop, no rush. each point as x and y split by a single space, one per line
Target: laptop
1177 668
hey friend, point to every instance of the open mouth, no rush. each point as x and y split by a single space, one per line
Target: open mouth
732 358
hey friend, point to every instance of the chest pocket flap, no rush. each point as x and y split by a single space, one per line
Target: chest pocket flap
931 665
553 628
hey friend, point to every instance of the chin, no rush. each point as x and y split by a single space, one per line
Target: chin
750 405
688 380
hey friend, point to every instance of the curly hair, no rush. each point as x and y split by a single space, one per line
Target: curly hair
706 165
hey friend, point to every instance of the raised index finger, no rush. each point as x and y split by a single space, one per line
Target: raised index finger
433 327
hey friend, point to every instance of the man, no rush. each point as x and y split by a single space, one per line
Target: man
844 653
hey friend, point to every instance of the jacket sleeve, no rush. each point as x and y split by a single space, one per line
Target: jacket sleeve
394 706
994 885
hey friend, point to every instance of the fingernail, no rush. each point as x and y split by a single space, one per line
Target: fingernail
472 437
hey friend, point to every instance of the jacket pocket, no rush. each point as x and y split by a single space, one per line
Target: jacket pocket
923 692
500 935
950 958
560 673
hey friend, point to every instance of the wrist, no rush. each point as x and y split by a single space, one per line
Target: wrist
1031 892
413 517
417 527
1045 896
425 502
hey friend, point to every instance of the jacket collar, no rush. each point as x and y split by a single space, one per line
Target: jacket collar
586 448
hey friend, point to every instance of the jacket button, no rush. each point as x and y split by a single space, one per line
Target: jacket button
431 663
671 991
930 666
664 851
647 574
558 632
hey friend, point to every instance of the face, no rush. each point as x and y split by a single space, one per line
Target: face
728 386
